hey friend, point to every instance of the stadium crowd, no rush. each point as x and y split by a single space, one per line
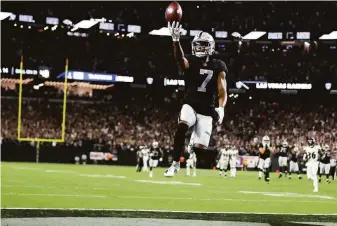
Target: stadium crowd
134 120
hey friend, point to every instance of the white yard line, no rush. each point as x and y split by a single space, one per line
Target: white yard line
56 195
168 182
287 194
54 187
166 211
214 199
101 175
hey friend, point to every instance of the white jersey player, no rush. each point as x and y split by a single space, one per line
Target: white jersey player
311 156
145 153
232 161
191 162
223 160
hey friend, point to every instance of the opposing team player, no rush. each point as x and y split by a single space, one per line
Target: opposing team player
333 163
234 153
156 154
205 84
264 158
283 158
293 164
324 164
191 162
311 157
223 160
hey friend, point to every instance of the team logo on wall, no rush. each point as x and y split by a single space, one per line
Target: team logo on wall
149 80
238 85
328 86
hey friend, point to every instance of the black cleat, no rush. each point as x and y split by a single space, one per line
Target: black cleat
280 175
319 180
328 181
300 178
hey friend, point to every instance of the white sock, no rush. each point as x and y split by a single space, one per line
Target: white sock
315 182
260 173
188 170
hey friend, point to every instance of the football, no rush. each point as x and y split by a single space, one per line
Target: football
173 12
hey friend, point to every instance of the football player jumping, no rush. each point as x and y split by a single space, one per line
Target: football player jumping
205 79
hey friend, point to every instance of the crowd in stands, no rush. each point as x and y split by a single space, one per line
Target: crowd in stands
135 120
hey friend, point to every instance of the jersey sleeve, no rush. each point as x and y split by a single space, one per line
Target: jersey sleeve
223 67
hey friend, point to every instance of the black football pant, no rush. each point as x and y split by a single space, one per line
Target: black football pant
333 172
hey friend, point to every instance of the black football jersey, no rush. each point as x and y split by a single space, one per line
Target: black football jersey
201 90
284 151
325 157
266 154
293 157
154 153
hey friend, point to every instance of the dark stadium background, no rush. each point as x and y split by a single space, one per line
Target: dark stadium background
120 118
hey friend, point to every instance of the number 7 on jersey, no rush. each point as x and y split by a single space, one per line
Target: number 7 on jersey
209 74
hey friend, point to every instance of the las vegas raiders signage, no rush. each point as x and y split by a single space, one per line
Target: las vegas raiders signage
284 86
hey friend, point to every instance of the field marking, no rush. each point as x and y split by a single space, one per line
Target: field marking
53 187
43 170
224 199
59 171
101 175
287 194
165 211
58 195
168 182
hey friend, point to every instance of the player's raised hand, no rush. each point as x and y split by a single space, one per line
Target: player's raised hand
221 114
175 30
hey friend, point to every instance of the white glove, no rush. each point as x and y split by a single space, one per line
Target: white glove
175 30
161 159
221 113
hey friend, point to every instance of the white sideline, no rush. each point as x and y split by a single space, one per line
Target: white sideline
224 199
166 211
52 195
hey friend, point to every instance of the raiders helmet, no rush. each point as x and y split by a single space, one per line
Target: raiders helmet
203 45
155 144
284 144
326 147
311 141
265 141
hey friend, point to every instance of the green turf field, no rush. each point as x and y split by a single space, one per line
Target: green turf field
112 187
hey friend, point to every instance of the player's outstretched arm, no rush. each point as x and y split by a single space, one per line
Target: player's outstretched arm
222 95
175 30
